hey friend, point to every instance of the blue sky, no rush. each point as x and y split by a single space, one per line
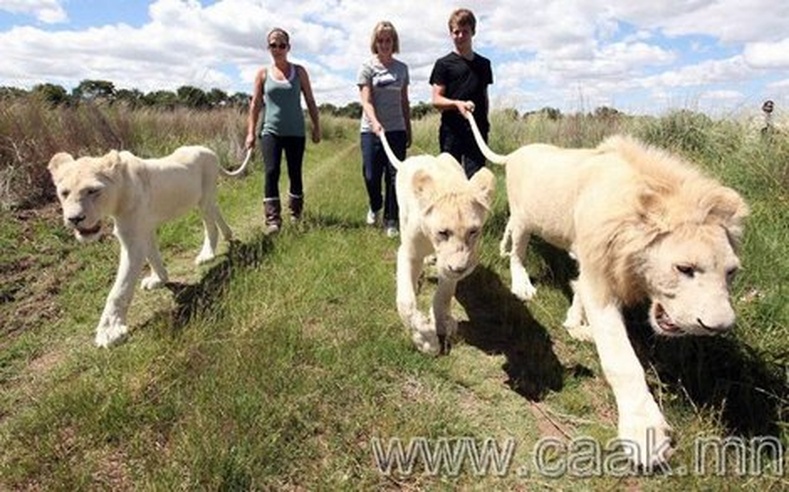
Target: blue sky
723 57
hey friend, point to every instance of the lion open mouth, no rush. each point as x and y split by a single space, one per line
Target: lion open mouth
88 233
663 321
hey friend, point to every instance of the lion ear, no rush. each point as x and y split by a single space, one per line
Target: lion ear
424 187
726 207
485 182
58 160
651 207
112 159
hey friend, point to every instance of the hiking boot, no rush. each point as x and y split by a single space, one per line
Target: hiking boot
296 206
273 211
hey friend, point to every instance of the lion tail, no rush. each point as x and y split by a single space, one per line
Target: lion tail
241 168
388 150
483 147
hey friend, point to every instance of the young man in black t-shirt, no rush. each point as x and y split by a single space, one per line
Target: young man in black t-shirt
460 83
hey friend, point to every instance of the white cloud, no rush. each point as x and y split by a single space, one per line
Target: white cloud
545 53
46 11
768 55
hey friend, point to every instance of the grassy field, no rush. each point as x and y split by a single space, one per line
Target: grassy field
283 364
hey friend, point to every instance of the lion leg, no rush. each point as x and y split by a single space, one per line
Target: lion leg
409 267
209 212
521 284
158 275
444 323
574 322
227 234
112 324
643 431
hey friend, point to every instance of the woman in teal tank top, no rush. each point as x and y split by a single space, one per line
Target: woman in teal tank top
277 90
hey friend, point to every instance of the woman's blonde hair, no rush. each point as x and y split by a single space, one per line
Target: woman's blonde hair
385 27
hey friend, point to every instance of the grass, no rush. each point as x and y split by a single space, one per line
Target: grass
280 364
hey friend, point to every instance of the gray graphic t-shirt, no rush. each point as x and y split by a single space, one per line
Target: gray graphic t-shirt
387 85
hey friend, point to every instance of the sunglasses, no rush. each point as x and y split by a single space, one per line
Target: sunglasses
281 46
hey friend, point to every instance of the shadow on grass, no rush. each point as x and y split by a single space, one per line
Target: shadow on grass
751 394
499 323
194 299
718 373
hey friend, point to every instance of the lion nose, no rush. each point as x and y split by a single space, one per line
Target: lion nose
76 219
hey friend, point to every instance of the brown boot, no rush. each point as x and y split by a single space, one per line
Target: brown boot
296 205
273 211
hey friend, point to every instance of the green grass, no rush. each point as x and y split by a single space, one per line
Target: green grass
279 364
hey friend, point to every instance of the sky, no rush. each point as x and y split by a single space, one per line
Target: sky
721 57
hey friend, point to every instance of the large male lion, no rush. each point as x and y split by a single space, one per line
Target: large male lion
441 212
643 224
139 194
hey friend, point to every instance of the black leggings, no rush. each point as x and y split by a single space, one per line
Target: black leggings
272 147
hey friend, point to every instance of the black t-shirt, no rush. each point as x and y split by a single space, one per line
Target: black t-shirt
465 80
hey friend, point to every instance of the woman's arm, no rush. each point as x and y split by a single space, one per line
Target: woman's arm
255 105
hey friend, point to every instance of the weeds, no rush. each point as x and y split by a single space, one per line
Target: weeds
277 366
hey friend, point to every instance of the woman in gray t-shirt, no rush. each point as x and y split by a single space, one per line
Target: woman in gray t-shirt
383 87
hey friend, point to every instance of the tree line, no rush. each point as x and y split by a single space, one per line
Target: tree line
187 96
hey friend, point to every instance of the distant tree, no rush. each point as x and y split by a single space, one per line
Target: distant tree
421 110
161 99
604 112
240 98
192 97
548 112
511 113
328 108
217 98
240 101
51 93
12 92
350 110
132 97
94 90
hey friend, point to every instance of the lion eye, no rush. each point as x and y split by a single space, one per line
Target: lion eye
730 274
93 191
64 193
473 232
686 270
443 234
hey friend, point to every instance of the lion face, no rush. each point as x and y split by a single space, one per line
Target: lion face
454 227
688 274
85 191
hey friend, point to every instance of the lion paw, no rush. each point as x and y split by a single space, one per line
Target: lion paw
426 342
582 332
524 292
646 440
204 257
577 327
152 281
110 334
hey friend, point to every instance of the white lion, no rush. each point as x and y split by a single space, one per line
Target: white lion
643 224
441 212
139 194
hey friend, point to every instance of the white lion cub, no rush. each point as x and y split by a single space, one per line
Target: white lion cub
441 211
139 194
